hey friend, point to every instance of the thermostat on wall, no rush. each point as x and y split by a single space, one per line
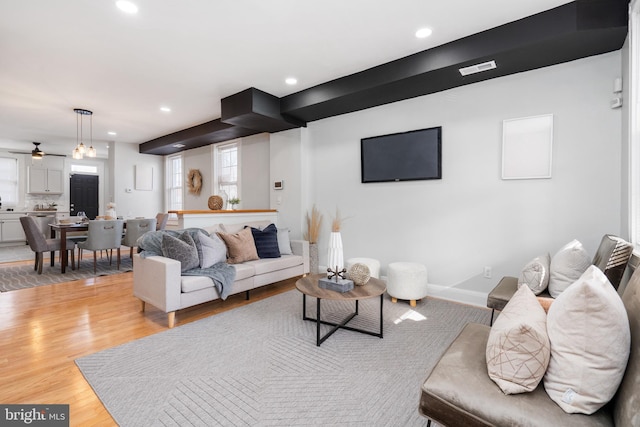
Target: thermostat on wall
278 185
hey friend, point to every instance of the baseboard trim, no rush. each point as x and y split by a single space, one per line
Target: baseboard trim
465 296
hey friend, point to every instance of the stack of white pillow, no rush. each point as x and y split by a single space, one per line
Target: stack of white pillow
579 349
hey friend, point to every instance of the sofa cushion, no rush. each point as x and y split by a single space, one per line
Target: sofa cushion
590 341
536 274
244 270
234 228
518 346
211 250
284 242
213 229
268 265
567 265
181 248
195 283
240 246
266 241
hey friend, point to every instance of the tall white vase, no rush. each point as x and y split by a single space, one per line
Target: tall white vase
335 258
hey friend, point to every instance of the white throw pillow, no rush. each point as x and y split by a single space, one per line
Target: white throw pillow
284 243
536 274
567 265
518 346
590 343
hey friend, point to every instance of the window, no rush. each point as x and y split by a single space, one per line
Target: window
92 169
174 183
227 169
9 181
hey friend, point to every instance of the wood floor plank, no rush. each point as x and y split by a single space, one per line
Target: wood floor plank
44 329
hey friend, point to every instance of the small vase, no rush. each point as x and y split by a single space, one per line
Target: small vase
313 258
335 258
225 197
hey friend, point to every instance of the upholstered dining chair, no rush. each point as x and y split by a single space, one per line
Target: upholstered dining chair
135 229
102 235
161 220
39 244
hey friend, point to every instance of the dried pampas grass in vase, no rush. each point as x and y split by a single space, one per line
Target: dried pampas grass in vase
314 223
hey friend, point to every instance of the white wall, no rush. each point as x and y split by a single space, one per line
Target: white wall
472 218
200 159
254 172
122 160
287 166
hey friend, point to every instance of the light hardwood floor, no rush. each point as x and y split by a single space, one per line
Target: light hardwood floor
44 329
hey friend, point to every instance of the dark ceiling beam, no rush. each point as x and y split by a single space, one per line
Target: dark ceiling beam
255 109
575 30
197 136
572 31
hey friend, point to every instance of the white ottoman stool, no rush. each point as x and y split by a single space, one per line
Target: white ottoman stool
407 281
373 264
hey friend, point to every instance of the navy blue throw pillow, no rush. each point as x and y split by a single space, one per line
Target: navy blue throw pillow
266 241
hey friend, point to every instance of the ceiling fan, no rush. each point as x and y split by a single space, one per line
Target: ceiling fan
37 153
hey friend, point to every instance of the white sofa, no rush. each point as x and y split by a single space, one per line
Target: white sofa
157 280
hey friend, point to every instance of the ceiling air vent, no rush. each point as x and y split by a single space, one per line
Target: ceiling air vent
478 68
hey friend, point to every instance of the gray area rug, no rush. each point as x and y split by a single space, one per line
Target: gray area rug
24 276
258 365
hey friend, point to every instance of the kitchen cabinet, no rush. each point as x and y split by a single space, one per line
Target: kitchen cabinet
45 181
11 229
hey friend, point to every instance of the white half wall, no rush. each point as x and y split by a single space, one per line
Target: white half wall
471 218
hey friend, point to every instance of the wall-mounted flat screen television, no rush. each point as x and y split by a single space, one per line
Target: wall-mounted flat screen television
406 156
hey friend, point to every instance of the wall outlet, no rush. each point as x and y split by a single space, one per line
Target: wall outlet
487 273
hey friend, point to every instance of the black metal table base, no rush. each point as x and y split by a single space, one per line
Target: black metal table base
342 325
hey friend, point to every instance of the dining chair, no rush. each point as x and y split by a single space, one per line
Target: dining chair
102 235
135 229
39 244
161 220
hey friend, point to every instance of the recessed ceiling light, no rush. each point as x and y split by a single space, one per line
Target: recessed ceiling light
127 6
423 33
165 109
291 80
178 145
112 133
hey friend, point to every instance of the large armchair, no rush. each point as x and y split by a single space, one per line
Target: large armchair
459 391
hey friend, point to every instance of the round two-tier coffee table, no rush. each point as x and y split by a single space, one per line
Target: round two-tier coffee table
309 286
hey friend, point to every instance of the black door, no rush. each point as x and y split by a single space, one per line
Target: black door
83 195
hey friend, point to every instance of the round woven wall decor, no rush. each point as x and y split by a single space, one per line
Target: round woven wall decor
215 203
359 273
194 181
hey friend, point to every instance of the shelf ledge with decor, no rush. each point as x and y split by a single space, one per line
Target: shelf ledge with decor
203 218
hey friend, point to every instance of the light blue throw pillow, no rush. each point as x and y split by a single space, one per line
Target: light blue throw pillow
211 250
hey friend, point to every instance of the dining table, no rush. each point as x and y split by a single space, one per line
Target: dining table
62 230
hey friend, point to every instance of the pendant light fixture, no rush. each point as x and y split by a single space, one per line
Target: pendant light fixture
81 149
